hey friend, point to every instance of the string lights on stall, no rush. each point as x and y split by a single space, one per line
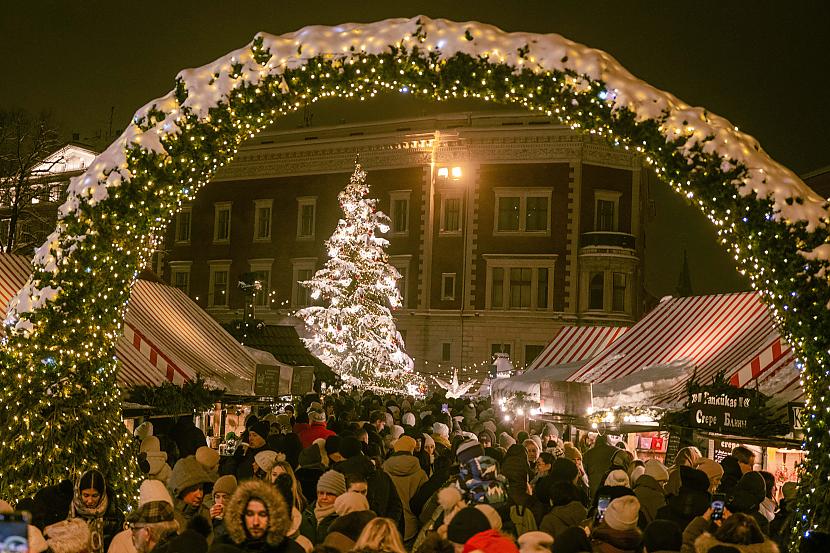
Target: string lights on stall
58 367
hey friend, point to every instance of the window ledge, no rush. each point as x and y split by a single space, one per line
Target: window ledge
523 233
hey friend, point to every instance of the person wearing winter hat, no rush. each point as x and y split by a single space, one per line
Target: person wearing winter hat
153 526
532 448
93 503
491 514
617 477
427 455
316 428
649 488
506 440
223 489
662 536
561 470
618 528
407 476
441 435
692 499
468 450
149 491
320 513
408 419
264 461
747 496
468 522
257 519
143 430
332 448
490 541
310 470
187 488
713 470
344 532
397 431
156 459
243 459
636 472
350 502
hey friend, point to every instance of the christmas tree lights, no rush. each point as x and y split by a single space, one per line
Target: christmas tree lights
353 331
58 368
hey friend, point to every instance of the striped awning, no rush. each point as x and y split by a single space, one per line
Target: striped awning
733 333
576 343
167 337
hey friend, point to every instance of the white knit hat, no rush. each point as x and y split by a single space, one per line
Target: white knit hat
623 513
266 459
143 430
408 419
397 432
150 443
618 478
636 473
153 490
441 429
350 502
535 542
428 440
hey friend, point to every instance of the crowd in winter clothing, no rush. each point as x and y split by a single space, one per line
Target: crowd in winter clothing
371 474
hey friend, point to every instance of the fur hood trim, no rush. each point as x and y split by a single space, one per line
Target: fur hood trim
279 522
706 541
67 536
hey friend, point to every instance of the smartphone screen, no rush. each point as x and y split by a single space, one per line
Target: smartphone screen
602 505
14 533
718 502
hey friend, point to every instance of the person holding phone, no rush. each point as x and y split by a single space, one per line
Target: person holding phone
615 526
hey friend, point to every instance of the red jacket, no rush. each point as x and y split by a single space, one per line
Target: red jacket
315 430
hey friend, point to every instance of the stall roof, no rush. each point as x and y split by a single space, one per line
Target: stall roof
734 333
576 343
167 337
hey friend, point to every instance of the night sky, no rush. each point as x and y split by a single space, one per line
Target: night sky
764 65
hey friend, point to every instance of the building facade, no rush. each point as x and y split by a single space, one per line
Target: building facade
504 228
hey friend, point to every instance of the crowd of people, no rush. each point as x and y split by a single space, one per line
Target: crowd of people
380 474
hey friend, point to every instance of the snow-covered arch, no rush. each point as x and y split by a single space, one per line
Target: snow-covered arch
64 323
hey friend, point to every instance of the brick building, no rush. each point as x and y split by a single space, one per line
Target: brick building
504 228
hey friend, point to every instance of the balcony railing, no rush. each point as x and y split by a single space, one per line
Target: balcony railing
607 239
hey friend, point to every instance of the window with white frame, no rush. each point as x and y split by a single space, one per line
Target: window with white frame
522 210
451 214
218 284
180 275
399 212
606 210
301 270
523 283
448 286
183 219
222 222
401 263
261 272
306 217
262 220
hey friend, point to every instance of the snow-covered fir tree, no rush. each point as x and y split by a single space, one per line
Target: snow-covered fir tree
353 328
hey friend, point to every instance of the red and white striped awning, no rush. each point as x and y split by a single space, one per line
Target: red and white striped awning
576 343
167 337
733 333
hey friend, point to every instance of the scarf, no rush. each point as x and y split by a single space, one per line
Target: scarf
322 512
93 516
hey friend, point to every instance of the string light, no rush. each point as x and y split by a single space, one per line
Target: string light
71 311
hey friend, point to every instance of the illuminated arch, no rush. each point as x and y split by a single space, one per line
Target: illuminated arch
64 323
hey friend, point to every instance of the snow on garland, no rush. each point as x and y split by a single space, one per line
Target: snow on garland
775 226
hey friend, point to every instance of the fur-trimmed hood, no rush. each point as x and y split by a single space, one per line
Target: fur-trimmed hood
279 522
706 541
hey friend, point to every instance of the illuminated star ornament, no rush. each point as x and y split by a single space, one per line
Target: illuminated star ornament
453 388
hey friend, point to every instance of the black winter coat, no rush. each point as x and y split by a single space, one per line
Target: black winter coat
382 495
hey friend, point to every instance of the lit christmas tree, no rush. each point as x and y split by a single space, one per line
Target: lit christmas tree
354 330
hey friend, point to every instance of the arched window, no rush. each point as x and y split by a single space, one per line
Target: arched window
596 291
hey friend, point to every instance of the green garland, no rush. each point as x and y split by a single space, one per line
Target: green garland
70 347
170 399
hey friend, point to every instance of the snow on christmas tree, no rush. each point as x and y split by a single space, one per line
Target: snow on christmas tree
353 330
